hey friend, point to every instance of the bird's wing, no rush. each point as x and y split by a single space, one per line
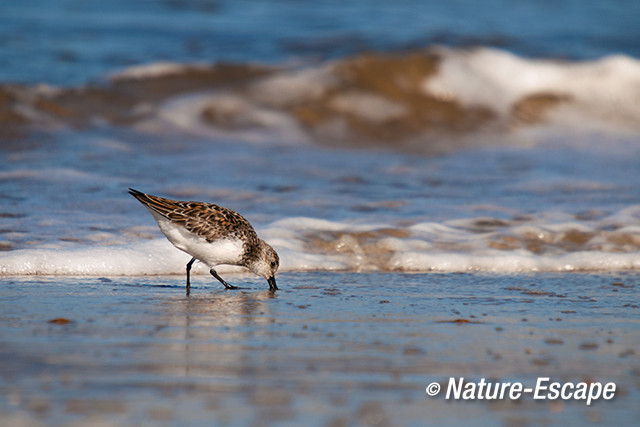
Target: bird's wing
204 219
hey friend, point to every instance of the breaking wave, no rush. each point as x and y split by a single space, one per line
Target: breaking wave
405 101
482 244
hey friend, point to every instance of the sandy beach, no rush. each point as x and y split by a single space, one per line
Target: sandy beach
331 349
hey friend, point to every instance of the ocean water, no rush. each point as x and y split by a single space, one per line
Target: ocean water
546 208
416 150
382 148
69 42
372 163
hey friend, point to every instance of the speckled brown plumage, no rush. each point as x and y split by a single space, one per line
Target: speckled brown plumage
207 220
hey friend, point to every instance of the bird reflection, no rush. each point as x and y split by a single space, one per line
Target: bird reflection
213 335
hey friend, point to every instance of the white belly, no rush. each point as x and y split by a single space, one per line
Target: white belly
224 251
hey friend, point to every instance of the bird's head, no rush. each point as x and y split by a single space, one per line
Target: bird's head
266 264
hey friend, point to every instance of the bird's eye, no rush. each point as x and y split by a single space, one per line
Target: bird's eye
273 264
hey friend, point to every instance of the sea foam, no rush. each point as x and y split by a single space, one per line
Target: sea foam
308 244
604 90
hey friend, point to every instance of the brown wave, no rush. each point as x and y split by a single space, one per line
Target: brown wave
121 101
377 249
368 100
397 80
367 246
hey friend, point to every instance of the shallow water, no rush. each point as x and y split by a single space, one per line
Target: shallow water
527 209
137 350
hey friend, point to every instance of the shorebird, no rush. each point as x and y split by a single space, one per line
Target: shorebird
213 235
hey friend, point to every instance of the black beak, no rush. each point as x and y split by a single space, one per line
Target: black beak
272 283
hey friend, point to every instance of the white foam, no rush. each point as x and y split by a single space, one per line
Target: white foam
247 121
451 247
289 87
155 257
605 90
515 262
155 69
372 108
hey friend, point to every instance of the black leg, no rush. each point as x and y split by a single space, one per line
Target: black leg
226 285
189 264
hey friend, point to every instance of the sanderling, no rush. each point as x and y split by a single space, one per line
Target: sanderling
212 234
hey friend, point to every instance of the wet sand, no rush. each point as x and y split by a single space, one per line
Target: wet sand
327 349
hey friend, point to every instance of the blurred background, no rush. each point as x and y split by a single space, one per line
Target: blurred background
70 42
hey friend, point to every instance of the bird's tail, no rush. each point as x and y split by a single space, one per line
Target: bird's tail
157 204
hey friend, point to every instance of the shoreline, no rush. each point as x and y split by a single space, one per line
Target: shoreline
328 348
